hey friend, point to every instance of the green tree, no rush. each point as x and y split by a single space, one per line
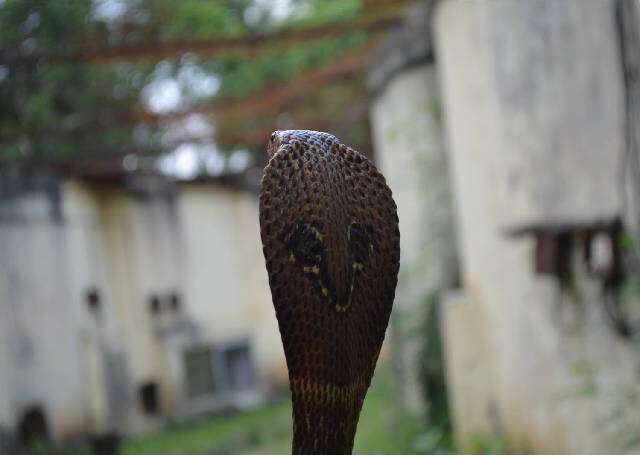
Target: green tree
55 107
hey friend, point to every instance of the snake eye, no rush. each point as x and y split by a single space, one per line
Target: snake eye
273 137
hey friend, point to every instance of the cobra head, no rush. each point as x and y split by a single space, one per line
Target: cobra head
330 238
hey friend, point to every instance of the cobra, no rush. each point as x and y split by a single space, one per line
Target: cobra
331 243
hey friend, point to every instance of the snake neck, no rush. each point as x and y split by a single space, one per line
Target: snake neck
325 417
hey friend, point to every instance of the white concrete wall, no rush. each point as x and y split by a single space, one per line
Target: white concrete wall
6 333
267 345
226 283
142 237
533 104
212 262
410 150
201 242
86 270
45 275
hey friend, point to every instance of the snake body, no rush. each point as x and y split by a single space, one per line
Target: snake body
330 238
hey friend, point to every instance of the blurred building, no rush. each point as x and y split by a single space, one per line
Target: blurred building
128 300
408 137
539 148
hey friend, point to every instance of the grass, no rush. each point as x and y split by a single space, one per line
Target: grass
382 430
267 431
214 434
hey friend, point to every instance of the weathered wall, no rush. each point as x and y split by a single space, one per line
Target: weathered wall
6 419
44 276
201 242
87 272
410 151
226 283
61 239
142 236
265 335
6 412
212 261
533 101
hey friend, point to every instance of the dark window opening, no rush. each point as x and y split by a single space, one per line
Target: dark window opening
199 372
211 370
149 398
175 302
239 367
154 305
93 300
33 426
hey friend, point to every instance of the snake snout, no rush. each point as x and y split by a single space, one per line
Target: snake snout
274 142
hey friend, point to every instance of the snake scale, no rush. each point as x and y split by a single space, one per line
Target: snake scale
331 243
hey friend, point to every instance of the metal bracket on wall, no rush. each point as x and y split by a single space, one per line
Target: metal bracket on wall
599 240
555 242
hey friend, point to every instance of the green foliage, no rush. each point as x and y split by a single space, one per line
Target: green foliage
322 11
42 99
432 375
436 436
260 427
496 445
51 109
239 76
627 241
434 441
630 246
382 429
44 448
29 26
197 20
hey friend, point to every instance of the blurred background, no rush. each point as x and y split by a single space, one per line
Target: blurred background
135 313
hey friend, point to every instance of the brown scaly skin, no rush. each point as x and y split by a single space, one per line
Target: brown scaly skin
331 243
